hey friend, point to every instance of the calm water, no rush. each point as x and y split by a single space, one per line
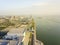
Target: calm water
48 30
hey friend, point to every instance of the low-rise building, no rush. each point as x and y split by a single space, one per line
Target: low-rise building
16 36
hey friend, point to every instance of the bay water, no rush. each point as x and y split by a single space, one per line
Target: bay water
48 30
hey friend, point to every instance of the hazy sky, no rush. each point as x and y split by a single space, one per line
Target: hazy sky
30 7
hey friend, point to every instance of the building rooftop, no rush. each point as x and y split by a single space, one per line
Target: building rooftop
4 42
16 31
11 42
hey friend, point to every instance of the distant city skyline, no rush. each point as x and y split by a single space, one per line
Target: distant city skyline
29 7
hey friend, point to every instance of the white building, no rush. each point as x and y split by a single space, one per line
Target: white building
18 35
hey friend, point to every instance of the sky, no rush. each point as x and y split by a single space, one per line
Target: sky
30 7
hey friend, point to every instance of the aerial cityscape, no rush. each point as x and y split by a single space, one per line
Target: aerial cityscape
29 22
18 30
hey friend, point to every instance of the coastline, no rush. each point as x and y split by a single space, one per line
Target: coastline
39 42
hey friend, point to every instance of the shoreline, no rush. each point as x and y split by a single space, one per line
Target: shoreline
39 42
